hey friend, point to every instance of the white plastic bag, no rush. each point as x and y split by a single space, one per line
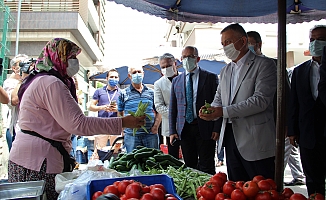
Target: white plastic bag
77 189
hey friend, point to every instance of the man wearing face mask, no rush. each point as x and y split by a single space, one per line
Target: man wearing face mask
128 101
162 92
291 153
105 103
189 92
11 86
308 114
244 100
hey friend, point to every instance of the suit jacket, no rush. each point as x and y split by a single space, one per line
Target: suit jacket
307 115
207 85
251 108
322 81
162 93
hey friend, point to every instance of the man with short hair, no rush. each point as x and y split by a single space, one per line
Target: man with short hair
244 100
189 92
162 93
128 101
105 103
11 86
291 153
255 42
308 114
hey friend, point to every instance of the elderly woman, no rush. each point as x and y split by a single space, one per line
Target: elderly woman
49 107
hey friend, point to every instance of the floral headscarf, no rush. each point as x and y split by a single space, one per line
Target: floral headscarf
53 60
55 55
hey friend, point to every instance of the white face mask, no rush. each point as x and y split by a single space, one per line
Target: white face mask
231 52
73 67
168 72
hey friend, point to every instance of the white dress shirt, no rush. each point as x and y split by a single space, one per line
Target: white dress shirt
195 79
314 78
236 67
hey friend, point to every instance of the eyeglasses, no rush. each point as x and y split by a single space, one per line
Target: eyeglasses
137 71
189 56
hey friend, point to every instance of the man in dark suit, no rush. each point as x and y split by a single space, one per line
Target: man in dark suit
308 114
189 92
322 81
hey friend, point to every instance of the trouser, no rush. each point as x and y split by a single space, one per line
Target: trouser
314 166
197 153
240 169
292 158
220 156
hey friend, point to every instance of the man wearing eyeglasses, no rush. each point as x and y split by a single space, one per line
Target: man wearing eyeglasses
189 92
128 101
244 100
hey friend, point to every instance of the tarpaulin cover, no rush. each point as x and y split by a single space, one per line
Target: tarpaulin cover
153 72
241 11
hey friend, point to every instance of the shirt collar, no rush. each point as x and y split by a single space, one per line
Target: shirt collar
132 87
242 60
194 72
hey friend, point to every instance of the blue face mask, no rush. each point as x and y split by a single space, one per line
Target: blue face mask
316 47
137 78
113 82
252 48
189 63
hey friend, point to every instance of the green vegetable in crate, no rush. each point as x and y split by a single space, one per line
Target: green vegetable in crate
205 110
140 112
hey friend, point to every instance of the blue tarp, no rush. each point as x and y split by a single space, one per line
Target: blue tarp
241 11
153 72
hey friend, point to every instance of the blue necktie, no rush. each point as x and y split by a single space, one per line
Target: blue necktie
189 97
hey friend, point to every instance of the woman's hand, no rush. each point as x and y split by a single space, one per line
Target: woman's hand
133 122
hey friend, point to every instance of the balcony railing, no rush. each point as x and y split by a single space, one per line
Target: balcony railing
44 5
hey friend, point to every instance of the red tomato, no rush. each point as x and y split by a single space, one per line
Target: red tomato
171 198
145 189
218 180
228 187
272 182
123 185
198 194
274 194
158 186
258 178
237 194
222 175
96 194
264 185
250 188
297 196
221 196
111 189
158 194
239 184
263 195
287 192
316 196
123 197
147 196
209 190
116 184
133 190
198 188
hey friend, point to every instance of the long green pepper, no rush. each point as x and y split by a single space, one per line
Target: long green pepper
140 112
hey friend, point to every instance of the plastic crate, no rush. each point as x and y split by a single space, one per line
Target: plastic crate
99 185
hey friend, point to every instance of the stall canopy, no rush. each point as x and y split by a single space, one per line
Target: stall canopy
241 11
153 72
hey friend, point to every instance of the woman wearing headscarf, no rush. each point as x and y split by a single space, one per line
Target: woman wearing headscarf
48 106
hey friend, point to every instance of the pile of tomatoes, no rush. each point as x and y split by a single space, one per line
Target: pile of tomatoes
133 190
219 188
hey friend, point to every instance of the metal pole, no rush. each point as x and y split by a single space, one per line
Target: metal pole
18 24
281 114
